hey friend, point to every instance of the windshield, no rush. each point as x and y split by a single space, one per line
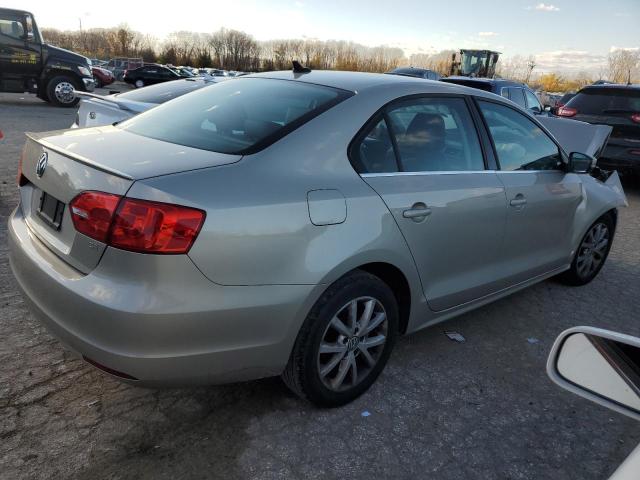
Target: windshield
238 116
606 100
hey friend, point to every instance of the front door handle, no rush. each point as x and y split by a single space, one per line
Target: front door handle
518 201
418 210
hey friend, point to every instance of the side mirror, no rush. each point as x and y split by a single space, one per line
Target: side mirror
581 162
547 108
599 365
28 37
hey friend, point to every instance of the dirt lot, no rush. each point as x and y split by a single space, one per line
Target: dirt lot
482 409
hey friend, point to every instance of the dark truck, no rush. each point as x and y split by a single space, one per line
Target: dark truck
27 64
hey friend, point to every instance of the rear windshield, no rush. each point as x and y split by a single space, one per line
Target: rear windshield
470 83
603 101
238 116
162 92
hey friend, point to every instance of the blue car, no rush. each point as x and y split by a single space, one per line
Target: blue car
517 92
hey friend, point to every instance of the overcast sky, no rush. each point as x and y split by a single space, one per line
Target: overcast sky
584 31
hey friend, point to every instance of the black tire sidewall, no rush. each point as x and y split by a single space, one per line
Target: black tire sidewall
321 315
51 86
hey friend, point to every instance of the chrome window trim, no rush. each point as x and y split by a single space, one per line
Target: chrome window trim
452 172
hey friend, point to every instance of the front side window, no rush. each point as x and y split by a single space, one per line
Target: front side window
420 135
532 101
519 142
12 26
239 116
517 96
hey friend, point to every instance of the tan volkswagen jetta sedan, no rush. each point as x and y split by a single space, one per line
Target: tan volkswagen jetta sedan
295 224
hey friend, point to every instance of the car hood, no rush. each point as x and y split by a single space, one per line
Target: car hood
57 53
127 154
576 136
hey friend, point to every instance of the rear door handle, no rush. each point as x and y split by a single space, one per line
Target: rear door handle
417 212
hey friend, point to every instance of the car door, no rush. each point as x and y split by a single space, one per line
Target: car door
424 158
542 199
19 51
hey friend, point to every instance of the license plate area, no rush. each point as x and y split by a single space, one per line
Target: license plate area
50 210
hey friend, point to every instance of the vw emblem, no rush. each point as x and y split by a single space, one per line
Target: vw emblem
41 166
353 343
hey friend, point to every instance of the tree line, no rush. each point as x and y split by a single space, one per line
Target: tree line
236 50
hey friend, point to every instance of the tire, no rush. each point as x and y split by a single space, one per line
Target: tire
139 83
98 82
589 258
353 357
59 91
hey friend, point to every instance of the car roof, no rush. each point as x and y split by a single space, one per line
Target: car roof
358 81
15 12
611 86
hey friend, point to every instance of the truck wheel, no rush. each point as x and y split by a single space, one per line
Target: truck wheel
60 91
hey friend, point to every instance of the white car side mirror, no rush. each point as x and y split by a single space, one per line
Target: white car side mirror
599 365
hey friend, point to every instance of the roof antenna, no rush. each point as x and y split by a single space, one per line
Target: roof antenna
298 68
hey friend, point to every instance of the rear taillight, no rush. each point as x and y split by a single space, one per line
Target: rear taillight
635 118
92 213
567 111
153 227
136 225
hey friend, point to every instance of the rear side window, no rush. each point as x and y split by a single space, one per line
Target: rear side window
420 135
162 92
239 116
520 143
603 101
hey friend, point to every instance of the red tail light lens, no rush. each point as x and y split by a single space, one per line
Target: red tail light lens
635 117
92 213
136 225
567 112
153 227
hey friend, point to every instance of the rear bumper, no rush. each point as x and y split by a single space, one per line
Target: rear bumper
158 319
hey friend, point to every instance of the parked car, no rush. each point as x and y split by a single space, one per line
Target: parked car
102 77
96 110
603 367
119 65
562 101
28 64
280 223
416 72
518 93
183 72
150 75
619 107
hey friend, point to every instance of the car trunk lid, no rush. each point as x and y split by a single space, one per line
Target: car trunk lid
58 166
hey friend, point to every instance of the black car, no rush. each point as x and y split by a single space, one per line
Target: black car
416 72
516 92
619 107
150 74
28 64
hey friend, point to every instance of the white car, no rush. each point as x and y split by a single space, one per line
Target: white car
99 110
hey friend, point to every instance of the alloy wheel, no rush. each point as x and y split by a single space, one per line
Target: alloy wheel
593 250
352 343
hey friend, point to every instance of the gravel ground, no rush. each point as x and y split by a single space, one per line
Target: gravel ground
443 410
